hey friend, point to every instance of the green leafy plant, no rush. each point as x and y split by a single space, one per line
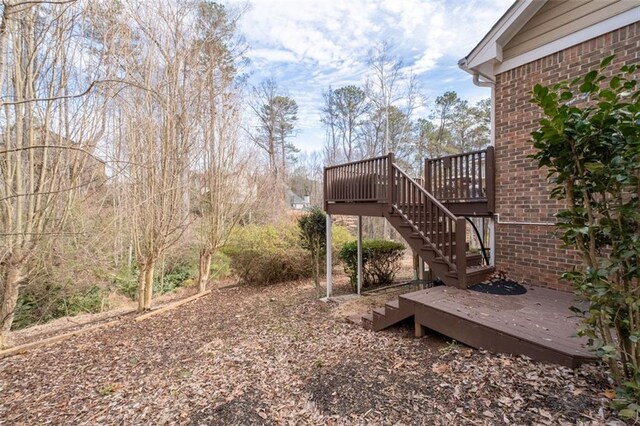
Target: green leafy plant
266 254
313 238
380 261
56 302
125 281
589 139
179 276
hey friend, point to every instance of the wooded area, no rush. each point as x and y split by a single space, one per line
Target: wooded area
132 144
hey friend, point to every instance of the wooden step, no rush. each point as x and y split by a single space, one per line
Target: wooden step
473 271
394 304
367 321
474 275
380 312
474 259
388 315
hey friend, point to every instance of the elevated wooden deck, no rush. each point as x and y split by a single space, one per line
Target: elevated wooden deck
379 187
537 324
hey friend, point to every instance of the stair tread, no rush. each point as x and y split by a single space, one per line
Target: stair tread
477 270
379 311
395 304
367 317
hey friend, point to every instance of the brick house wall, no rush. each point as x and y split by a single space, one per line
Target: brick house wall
530 252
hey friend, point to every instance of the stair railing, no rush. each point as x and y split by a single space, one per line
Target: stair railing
429 218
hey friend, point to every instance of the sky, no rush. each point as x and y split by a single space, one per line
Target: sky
309 45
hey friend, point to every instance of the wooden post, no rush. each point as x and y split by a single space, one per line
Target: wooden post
359 255
423 272
391 184
461 252
427 176
329 258
325 191
490 179
492 241
419 329
416 266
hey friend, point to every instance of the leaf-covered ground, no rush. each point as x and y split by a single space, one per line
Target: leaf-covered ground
275 355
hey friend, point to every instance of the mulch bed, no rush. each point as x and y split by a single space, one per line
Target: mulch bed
275 355
501 287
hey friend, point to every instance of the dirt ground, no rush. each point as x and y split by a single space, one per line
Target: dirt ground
275 355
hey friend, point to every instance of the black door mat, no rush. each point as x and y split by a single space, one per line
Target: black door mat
499 287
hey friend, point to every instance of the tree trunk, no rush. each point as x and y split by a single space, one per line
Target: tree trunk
12 278
148 283
142 267
205 269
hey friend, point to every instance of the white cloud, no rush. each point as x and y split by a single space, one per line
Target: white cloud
309 45
272 55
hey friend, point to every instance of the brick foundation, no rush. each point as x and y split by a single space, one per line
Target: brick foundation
531 253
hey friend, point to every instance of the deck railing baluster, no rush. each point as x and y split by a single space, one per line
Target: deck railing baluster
460 178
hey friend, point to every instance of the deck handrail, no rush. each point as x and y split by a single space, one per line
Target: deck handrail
425 192
431 219
462 154
356 162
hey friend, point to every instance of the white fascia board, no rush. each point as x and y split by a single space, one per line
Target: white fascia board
510 23
621 20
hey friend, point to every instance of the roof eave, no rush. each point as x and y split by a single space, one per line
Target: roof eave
489 50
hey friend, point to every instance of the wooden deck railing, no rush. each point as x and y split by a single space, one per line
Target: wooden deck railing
462 178
430 218
359 181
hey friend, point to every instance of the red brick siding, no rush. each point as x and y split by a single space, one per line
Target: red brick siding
531 253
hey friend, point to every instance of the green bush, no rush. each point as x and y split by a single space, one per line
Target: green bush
178 276
380 261
220 266
339 237
268 254
125 282
34 308
591 149
313 231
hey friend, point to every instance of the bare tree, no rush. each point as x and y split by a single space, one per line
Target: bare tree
226 184
329 119
160 111
383 84
51 121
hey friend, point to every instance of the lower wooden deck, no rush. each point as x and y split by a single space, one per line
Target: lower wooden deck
538 324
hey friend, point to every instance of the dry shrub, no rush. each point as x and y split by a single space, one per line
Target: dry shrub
266 254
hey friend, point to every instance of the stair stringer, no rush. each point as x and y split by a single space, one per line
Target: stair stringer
419 244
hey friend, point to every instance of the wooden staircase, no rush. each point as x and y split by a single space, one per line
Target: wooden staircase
432 231
391 313
378 186
438 264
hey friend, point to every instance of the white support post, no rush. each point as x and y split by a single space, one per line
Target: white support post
423 273
329 258
359 254
492 243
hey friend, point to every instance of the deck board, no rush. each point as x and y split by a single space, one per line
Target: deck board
538 324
